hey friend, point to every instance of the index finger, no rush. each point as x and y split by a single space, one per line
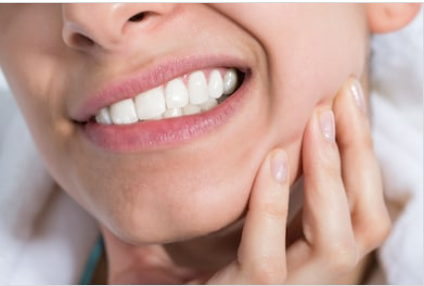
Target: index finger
262 253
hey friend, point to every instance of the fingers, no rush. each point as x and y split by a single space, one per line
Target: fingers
261 255
325 202
328 248
361 173
344 213
262 249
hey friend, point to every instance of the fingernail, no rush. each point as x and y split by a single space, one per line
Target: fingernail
326 122
279 167
358 95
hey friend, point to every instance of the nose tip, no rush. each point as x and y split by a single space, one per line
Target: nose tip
106 26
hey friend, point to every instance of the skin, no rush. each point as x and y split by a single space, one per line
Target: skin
61 75
149 197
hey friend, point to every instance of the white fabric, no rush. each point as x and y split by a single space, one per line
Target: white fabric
397 103
45 238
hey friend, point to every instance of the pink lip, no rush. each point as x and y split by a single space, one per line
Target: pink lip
148 79
153 135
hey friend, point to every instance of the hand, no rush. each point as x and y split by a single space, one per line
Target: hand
344 215
343 218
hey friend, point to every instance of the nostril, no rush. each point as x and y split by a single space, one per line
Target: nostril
137 17
82 41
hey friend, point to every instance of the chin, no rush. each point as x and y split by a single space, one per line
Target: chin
165 215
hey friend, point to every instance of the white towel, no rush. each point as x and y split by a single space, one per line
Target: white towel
397 104
45 238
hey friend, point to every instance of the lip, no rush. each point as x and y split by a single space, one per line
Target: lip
164 133
148 79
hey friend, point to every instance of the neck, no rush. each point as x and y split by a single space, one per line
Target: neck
199 257
208 253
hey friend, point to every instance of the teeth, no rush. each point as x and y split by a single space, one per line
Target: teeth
230 81
123 112
191 109
176 94
198 88
150 104
172 112
216 85
180 96
103 116
208 105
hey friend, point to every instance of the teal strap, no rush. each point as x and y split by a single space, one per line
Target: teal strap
92 262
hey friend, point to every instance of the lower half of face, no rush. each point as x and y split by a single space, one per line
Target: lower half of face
196 178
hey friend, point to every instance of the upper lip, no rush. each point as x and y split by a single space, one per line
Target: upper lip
149 78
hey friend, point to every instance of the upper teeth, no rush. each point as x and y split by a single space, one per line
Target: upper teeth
175 98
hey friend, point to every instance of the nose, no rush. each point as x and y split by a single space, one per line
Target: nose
108 26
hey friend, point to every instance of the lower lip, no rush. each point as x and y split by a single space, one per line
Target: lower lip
166 133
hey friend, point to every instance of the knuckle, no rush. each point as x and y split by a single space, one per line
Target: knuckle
275 210
268 271
361 142
330 177
342 257
331 167
333 171
377 232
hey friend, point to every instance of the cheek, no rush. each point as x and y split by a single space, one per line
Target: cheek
311 48
307 61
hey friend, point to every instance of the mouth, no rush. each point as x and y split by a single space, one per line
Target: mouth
167 114
194 93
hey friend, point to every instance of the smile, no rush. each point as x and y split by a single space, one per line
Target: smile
165 106
193 93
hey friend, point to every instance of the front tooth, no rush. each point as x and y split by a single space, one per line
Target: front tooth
191 109
176 94
103 116
123 112
150 104
230 81
172 112
198 88
216 86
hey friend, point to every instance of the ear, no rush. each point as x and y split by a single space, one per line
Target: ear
388 17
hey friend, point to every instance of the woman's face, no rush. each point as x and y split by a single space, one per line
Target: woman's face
166 179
